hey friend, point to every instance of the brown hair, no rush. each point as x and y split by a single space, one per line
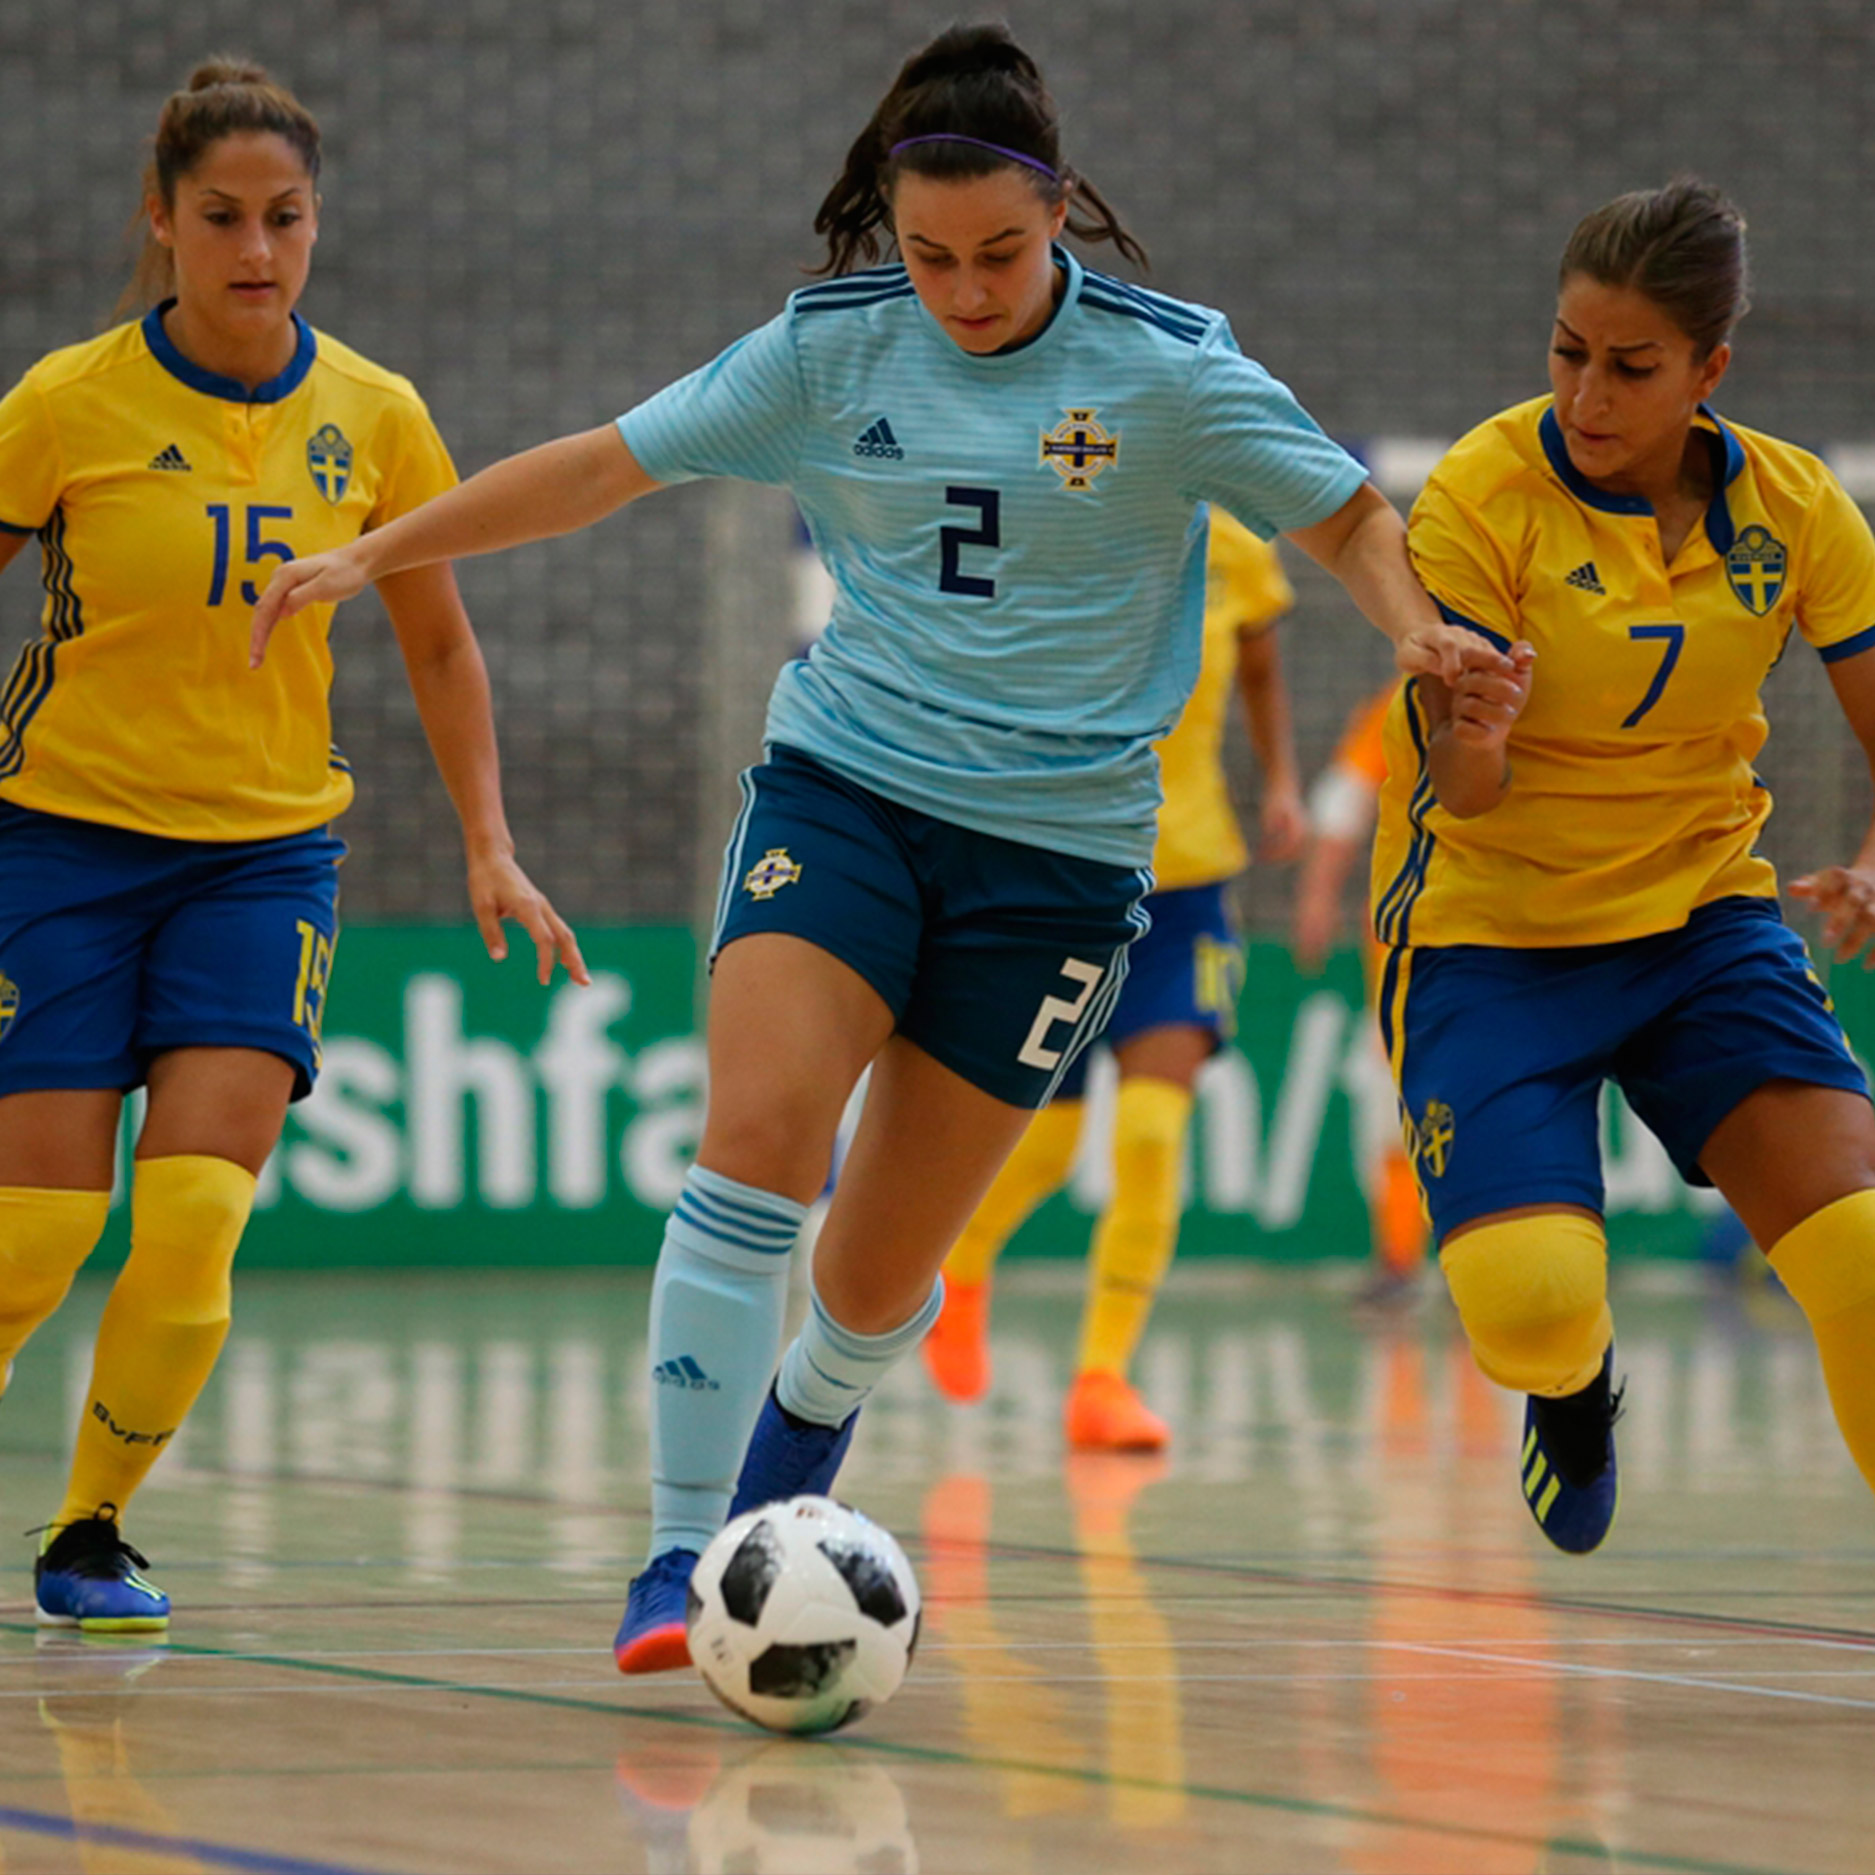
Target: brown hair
224 97
970 81
1682 246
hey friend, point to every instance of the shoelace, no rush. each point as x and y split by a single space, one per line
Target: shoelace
99 1559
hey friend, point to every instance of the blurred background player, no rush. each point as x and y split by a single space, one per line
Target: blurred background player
1568 875
1342 808
168 870
1178 1008
938 868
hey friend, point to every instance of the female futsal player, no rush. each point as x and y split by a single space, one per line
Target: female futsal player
936 872
1567 876
168 873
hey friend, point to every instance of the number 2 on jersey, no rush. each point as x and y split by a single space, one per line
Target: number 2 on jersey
258 547
988 503
1674 636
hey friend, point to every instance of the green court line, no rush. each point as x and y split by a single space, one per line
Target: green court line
938 1756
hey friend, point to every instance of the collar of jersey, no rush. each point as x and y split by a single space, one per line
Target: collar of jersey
212 383
1013 357
1719 528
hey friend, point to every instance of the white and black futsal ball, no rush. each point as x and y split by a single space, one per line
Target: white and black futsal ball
803 1615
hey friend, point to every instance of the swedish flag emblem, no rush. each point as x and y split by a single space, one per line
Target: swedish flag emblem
329 457
1433 1137
1755 566
9 1003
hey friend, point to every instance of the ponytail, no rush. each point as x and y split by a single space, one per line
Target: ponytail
971 103
224 97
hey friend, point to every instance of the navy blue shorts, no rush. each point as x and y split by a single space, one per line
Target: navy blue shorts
1000 960
1501 1054
1186 972
116 947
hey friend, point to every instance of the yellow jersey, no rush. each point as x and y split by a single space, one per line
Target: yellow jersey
1246 590
1632 799
164 496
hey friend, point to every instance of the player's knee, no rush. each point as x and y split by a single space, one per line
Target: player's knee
45 1236
1533 1294
1149 1124
187 1214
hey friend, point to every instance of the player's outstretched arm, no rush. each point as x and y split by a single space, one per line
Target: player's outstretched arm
1363 544
1845 895
556 488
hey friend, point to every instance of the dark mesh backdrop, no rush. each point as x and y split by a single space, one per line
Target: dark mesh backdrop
543 211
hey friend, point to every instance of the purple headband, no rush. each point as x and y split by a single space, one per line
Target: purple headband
956 136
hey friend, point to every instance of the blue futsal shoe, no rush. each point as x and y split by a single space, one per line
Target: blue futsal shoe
654 1637
1570 1479
789 1457
87 1577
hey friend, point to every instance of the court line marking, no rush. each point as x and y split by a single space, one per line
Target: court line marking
221 1855
1585 1848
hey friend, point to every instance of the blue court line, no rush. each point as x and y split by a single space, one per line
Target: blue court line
219 1855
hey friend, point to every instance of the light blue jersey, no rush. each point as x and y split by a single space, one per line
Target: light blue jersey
1016 541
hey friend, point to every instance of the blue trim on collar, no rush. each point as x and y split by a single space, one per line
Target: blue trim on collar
1578 484
212 383
1730 463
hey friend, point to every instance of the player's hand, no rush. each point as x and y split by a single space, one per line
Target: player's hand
1446 652
498 890
1845 895
1282 826
1317 924
1485 702
319 579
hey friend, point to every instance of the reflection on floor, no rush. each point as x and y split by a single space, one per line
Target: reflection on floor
1322 1634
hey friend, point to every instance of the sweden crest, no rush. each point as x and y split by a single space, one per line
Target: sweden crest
1433 1137
329 457
9 1003
1755 566
770 873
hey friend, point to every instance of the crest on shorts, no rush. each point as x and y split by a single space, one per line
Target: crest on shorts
1078 448
1433 1136
770 873
9 1003
329 457
1755 566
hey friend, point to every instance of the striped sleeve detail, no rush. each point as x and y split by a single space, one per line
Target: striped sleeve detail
871 288
1848 647
33 674
1393 914
1112 296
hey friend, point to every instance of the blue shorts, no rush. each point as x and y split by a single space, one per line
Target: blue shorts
1501 1054
1000 960
116 947
1186 972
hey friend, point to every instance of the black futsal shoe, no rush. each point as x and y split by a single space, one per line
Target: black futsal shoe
1570 1479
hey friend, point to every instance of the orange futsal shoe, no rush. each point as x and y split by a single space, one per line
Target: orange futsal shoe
1104 1414
957 1350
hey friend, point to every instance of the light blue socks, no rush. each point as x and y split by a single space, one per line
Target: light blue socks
716 1312
829 1370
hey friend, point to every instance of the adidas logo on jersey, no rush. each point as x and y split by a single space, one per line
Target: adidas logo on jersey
170 458
1586 579
684 1372
879 441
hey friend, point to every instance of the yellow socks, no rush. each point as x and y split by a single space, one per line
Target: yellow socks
45 1235
1133 1241
1037 1169
163 1326
1828 1264
1533 1295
